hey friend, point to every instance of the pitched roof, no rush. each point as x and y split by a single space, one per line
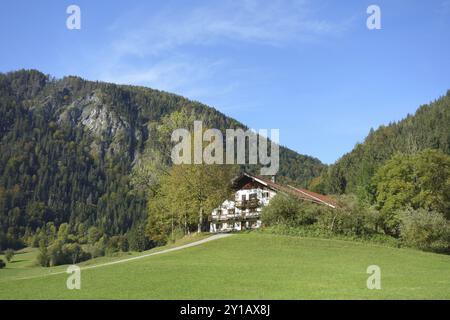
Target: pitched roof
298 192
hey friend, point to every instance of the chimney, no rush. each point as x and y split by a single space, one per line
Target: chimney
272 179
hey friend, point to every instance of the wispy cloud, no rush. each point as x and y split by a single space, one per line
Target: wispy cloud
273 22
180 74
161 49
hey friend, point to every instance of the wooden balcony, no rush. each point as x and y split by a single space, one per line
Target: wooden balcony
236 217
226 217
248 204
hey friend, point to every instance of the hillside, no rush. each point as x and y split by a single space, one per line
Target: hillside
429 127
251 266
67 147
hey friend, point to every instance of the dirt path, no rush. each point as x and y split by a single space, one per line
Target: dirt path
192 244
188 245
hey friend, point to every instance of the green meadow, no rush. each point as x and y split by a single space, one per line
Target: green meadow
242 266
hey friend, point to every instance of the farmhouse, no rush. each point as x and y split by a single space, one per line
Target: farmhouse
252 193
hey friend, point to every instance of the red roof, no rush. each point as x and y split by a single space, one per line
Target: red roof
298 192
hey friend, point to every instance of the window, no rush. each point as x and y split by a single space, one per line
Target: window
253 196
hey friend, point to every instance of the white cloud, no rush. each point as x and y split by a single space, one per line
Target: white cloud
272 22
153 49
183 75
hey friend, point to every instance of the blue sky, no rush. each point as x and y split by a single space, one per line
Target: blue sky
310 68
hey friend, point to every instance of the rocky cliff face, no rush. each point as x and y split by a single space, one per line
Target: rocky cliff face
109 131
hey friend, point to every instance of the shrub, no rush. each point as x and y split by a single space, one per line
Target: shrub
289 211
2 264
119 243
10 241
9 254
94 235
95 250
351 218
73 253
111 251
137 240
123 244
55 253
43 258
69 253
426 230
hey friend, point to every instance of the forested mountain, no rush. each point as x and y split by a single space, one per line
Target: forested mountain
68 146
428 128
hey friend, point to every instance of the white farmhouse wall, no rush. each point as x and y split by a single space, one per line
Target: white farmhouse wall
223 217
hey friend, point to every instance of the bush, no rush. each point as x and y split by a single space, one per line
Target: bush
111 251
74 253
351 218
123 244
95 250
10 241
2 264
94 235
289 211
9 254
119 243
43 258
137 240
64 253
426 230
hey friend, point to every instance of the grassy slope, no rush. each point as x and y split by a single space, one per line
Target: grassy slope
258 266
24 264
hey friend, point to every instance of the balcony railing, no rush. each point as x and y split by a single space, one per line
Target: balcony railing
250 204
225 217
236 217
